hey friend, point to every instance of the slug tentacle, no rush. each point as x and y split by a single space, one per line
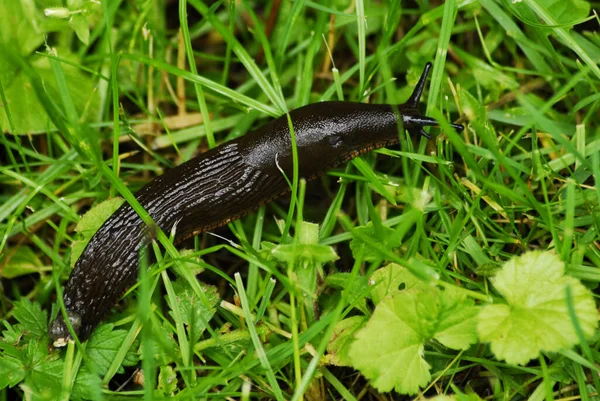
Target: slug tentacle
224 184
415 97
412 118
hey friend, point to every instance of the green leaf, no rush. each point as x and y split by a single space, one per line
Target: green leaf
28 115
536 316
304 255
307 252
194 312
132 357
45 378
387 237
11 368
18 29
456 320
343 335
471 107
75 4
96 216
164 347
103 345
12 334
418 198
167 380
33 321
33 365
81 27
19 262
356 289
567 11
87 386
468 396
90 223
308 233
389 350
389 280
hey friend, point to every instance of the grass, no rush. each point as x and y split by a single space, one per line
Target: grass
117 97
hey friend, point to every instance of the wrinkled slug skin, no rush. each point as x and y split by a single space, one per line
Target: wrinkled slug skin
222 185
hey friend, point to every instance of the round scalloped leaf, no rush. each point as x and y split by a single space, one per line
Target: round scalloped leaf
389 350
536 316
389 280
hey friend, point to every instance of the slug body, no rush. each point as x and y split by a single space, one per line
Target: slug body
224 184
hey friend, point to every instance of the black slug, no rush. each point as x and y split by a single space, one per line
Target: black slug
222 185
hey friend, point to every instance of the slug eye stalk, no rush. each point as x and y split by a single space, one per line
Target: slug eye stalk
412 118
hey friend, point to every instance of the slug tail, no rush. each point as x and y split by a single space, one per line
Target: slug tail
412 118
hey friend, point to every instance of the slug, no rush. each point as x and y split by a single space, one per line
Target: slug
222 185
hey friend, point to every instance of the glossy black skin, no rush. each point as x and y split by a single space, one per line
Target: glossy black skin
222 185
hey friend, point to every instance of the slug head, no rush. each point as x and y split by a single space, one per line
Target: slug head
412 118
358 127
333 132
59 332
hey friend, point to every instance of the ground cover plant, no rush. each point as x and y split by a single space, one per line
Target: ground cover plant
465 266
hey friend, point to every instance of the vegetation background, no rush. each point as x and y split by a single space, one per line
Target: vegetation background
97 98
